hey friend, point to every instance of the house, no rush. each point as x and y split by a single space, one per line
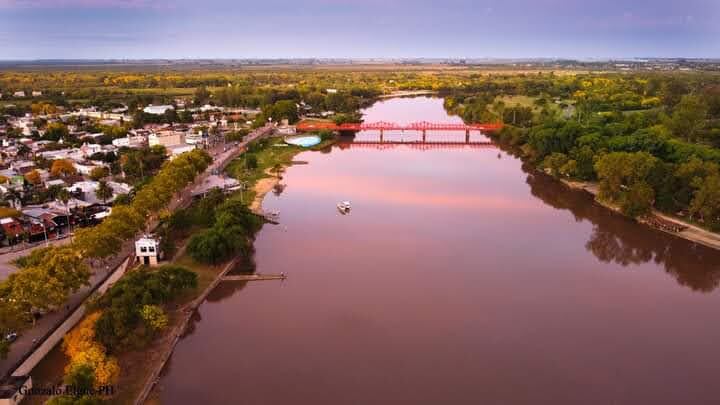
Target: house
84 168
40 229
166 138
147 250
64 154
85 190
72 204
12 229
175 150
157 109
8 173
286 130
85 136
194 138
15 183
19 94
22 166
89 149
36 93
136 142
53 183
44 221
119 188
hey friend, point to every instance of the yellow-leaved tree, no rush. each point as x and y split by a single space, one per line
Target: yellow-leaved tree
82 349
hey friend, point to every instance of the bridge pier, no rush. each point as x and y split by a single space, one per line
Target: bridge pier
424 132
467 136
382 135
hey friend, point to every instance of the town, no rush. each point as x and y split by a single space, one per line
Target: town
64 169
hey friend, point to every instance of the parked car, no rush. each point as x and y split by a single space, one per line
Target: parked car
10 337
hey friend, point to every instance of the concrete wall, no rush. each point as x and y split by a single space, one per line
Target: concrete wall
72 320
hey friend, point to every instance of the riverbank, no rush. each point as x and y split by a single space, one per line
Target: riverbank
408 93
263 179
687 231
156 357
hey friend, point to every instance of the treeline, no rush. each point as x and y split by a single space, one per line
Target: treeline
641 160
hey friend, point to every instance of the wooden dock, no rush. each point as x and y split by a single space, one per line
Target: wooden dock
254 277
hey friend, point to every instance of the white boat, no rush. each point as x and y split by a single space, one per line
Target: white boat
344 207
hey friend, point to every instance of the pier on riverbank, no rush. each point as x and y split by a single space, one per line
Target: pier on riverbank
254 277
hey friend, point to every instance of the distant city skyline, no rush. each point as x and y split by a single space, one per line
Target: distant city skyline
184 29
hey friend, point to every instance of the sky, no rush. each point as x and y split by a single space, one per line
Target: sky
147 29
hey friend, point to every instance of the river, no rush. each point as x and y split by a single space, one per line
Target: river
459 277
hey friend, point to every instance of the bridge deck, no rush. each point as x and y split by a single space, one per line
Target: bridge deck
305 126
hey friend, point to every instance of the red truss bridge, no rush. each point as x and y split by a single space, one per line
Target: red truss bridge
381 126
415 145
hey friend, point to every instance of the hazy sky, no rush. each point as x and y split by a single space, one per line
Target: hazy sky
41 29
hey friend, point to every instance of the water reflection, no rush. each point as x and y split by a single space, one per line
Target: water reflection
616 239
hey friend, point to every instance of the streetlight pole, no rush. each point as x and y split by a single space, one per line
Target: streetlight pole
45 232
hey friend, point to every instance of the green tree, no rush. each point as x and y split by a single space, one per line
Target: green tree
706 202
202 96
56 131
555 162
689 117
154 317
104 191
99 173
624 179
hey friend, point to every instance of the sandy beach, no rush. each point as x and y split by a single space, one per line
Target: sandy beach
262 187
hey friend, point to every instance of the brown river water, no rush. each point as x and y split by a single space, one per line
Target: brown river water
459 277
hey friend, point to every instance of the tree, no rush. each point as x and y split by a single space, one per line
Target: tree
104 191
555 162
82 377
43 108
154 317
283 109
638 200
251 161
83 350
123 305
624 179
62 168
99 173
706 201
64 196
56 131
33 177
202 96
689 117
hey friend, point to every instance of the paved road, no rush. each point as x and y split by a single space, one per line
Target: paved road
31 337
6 259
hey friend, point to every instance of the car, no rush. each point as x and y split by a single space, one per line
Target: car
10 337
